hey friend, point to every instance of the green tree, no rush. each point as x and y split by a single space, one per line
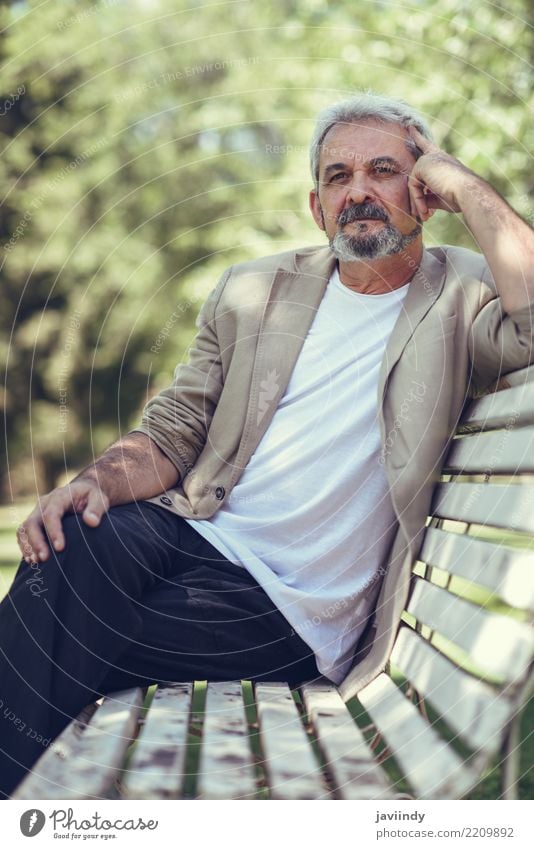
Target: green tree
154 143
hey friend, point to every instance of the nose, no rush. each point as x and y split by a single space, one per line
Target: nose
360 189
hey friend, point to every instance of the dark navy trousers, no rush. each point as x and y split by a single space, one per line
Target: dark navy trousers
140 599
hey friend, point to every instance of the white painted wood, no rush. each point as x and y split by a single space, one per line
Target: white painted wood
354 772
498 645
508 451
432 768
290 763
157 767
92 756
509 572
47 778
500 505
478 712
517 378
499 409
226 769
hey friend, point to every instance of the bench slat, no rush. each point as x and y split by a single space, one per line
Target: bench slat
519 377
226 769
506 451
349 760
471 707
289 759
502 505
509 572
432 768
91 757
48 776
505 657
157 768
500 409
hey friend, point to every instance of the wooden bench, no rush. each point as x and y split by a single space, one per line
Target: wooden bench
429 727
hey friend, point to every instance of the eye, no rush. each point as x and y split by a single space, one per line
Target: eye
340 175
384 169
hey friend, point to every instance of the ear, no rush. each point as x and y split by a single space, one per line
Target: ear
316 209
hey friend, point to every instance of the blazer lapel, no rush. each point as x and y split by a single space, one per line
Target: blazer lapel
292 305
424 288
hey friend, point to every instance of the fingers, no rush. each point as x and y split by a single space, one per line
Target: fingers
424 144
58 503
46 519
417 189
413 208
25 545
31 539
417 198
97 505
47 516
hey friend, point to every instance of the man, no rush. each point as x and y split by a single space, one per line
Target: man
243 530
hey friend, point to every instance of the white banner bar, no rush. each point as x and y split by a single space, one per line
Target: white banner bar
268 824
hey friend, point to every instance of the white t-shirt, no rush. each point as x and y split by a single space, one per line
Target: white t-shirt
311 516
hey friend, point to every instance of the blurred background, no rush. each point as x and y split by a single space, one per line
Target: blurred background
148 144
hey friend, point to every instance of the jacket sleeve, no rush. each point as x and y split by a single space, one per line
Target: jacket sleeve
178 418
499 342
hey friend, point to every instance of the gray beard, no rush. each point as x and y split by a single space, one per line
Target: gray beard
386 242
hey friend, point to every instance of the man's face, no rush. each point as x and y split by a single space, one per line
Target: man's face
363 203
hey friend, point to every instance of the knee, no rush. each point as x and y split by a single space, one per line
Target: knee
78 534
82 542
79 567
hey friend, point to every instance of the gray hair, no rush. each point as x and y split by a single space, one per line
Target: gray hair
388 110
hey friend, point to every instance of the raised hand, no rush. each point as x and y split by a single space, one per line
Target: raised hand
437 179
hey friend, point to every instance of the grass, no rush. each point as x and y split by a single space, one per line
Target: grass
10 518
488 788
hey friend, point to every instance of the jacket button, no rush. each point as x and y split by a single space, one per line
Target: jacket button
165 500
220 492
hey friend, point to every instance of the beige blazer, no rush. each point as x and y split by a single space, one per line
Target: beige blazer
451 339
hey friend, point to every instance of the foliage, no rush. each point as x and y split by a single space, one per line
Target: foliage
148 144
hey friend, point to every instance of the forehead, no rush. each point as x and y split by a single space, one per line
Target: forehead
365 140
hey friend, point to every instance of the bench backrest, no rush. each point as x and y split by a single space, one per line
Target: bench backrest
460 665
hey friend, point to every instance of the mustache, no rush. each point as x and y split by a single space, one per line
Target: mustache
359 211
